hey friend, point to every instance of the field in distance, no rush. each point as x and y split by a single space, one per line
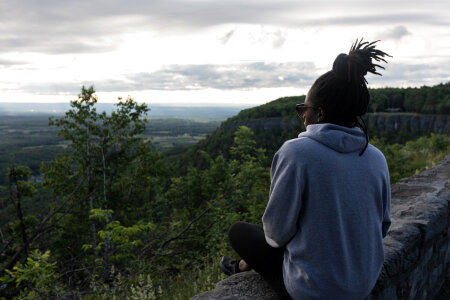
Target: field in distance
26 138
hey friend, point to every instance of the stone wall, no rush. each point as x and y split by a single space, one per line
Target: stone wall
417 258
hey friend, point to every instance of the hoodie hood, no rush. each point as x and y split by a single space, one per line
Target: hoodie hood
339 138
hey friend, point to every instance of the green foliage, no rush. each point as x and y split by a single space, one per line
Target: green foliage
37 277
118 171
415 156
29 221
125 239
208 201
20 223
244 143
200 278
135 288
19 173
100 215
282 107
19 176
425 100
103 148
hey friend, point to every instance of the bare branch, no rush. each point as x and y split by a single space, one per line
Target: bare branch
41 228
184 230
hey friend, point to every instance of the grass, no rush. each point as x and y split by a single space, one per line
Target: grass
193 282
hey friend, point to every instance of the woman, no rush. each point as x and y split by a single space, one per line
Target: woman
328 211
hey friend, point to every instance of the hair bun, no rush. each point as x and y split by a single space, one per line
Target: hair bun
348 68
352 67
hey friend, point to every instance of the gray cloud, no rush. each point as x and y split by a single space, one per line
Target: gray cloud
76 26
4 63
224 39
54 46
70 26
278 40
226 77
379 19
196 77
51 88
411 74
396 33
244 77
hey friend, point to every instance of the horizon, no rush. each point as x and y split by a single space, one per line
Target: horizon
207 104
160 104
157 111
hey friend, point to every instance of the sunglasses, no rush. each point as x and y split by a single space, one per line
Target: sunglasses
301 109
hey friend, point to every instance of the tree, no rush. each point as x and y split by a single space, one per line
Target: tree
414 101
20 187
206 202
29 229
103 149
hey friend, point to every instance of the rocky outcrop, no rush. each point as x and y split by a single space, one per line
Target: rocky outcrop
417 258
410 123
243 286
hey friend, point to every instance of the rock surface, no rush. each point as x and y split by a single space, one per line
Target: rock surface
417 255
242 286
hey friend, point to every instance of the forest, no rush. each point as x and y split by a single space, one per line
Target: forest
117 218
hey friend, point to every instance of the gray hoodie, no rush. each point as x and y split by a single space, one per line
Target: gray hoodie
330 208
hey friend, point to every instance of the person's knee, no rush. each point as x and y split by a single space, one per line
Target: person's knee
236 230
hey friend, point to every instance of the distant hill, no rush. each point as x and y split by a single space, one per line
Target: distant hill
276 121
207 112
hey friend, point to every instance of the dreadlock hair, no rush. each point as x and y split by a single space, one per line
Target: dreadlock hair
342 92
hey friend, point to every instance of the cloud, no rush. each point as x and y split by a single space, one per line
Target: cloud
224 77
243 77
396 33
4 63
54 46
97 26
224 39
378 19
70 26
196 77
278 40
412 74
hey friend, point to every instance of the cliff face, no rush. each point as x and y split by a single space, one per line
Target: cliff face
417 258
410 123
381 122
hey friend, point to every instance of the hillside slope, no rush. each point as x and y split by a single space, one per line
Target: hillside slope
276 121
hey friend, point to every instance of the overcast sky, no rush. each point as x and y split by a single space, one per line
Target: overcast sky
206 51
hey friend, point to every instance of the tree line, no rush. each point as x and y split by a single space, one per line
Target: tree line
423 100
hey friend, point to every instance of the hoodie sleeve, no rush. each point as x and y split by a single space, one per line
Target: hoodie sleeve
282 211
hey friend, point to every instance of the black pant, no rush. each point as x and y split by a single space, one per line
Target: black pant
249 242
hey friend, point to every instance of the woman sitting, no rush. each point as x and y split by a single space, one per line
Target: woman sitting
328 210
